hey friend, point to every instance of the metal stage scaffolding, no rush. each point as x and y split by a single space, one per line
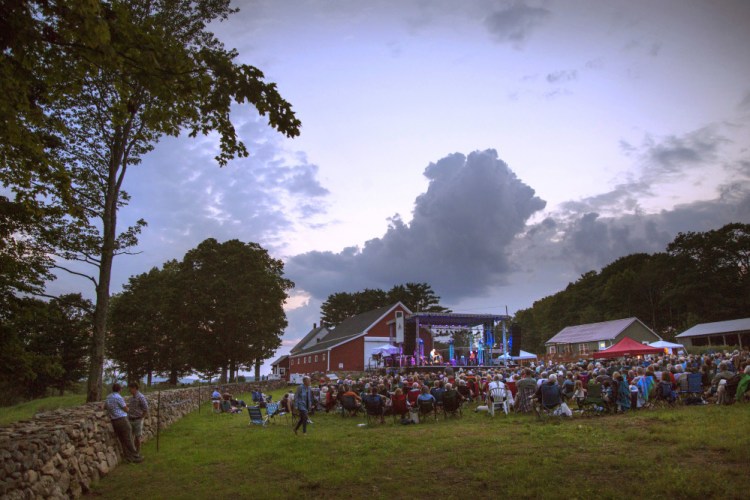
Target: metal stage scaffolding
481 326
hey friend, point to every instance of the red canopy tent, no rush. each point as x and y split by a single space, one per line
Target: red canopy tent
627 347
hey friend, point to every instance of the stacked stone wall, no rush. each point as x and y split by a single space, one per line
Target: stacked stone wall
60 454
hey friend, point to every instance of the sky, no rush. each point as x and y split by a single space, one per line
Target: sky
494 149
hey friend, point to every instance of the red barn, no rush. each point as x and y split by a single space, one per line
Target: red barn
280 367
348 345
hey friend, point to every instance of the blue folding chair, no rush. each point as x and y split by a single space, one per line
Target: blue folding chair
273 410
691 386
256 417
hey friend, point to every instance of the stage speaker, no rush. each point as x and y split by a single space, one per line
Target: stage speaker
516 335
399 327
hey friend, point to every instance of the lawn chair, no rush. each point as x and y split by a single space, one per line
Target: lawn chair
226 406
451 404
256 416
665 394
497 399
273 410
524 403
594 402
349 406
399 407
691 388
374 407
426 408
511 386
551 401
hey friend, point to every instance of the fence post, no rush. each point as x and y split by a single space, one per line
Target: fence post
199 398
158 418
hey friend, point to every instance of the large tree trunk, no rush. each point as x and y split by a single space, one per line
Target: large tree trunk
109 232
96 360
257 370
173 377
149 378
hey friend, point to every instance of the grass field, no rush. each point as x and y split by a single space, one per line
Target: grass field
22 411
685 452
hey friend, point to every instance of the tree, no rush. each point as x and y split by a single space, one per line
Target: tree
235 294
43 345
418 297
151 68
339 306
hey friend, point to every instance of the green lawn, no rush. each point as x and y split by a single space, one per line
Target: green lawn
23 411
682 452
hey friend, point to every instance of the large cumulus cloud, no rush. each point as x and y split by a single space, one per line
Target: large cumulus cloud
457 239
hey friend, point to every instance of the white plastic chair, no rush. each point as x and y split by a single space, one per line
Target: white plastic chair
498 399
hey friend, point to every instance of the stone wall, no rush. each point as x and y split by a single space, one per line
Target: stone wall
60 454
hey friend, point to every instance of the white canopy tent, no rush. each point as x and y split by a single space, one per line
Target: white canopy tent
523 355
385 350
670 346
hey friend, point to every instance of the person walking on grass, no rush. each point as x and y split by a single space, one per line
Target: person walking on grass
118 415
303 402
137 411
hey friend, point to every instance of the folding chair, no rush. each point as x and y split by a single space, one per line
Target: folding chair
691 387
349 406
399 407
374 407
451 404
594 402
524 402
551 403
663 393
256 417
273 410
425 408
497 399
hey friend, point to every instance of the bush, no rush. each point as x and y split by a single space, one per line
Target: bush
241 378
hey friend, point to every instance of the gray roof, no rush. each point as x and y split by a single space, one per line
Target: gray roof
347 329
312 333
731 326
594 332
280 360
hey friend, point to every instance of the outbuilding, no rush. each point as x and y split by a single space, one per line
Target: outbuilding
584 340
734 332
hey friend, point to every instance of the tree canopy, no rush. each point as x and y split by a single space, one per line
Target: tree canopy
91 86
218 310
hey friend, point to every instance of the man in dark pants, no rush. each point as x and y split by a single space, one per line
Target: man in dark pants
137 411
303 401
118 414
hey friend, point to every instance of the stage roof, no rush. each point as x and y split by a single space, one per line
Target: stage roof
453 319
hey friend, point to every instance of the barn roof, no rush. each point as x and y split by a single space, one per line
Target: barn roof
731 326
594 332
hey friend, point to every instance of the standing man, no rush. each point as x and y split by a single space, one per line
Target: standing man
137 411
118 414
303 402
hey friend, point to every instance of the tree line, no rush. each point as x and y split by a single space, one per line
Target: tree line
700 277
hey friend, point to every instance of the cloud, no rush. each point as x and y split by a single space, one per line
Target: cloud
658 162
589 241
472 210
185 197
515 24
562 76
744 104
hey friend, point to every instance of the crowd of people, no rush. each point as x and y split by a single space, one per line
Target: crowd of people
608 385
